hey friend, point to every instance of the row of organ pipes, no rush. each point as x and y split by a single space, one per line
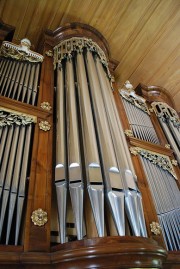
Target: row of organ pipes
91 152
19 76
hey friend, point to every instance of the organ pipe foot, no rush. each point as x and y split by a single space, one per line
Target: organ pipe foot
20 204
61 191
10 214
116 201
77 193
3 209
96 194
141 216
132 211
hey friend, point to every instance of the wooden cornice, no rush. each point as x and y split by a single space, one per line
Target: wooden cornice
155 93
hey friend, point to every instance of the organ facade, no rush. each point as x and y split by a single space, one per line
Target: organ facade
89 173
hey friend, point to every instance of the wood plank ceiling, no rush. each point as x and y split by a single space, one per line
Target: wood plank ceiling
143 35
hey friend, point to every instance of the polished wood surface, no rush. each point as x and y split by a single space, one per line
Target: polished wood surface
108 252
143 35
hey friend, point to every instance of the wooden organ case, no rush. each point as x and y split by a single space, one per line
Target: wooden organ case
87 176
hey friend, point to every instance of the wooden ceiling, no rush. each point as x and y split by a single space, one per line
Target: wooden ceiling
143 35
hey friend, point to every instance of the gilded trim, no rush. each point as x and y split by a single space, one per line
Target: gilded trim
128 133
20 52
44 126
49 53
164 111
10 117
158 159
46 106
129 95
66 49
39 217
155 228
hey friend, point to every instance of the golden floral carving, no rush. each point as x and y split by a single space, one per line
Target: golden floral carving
155 228
46 106
45 126
49 53
39 217
128 133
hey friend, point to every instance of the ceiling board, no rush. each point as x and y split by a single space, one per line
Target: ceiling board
143 35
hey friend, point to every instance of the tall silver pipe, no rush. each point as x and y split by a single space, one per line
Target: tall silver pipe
15 180
9 80
8 177
22 181
132 200
76 185
170 138
35 85
25 83
6 76
13 81
61 156
113 178
92 162
19 80
30 84
4 160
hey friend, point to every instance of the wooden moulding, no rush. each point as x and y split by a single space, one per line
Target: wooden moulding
155 93
107 252
6 32
76 29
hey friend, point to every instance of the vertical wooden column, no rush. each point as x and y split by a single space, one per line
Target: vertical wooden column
37 238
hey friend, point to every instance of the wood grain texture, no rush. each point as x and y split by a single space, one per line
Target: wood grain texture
143 35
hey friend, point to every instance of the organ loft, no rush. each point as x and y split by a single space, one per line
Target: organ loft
89 172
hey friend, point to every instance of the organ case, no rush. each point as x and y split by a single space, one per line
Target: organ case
92 162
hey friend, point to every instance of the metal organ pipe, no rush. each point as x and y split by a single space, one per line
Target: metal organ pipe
61 157
76 184
92 161
107 166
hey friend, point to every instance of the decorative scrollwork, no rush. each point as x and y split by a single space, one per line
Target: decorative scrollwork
45 126
20 52
158 159
49 53
46 106
155 228
129 94
39 217
66 49
128 133
9 118
166 112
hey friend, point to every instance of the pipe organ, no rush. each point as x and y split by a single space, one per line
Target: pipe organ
86 176
158 168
